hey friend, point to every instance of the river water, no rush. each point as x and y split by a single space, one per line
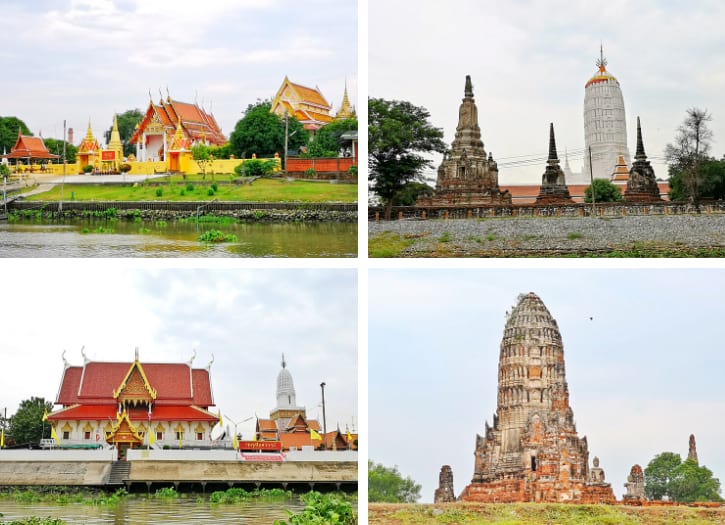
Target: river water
135 510
119 238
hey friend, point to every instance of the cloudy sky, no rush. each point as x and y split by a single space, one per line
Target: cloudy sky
643 375
75 59
529 61
246 319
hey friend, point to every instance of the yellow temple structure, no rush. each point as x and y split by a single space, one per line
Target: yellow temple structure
161 123
306 104
346 109
89 150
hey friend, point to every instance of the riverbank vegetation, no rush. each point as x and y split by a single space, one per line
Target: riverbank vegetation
33 520
539 513
262 190
335 508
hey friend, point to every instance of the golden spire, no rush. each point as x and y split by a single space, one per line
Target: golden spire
601 61
89 133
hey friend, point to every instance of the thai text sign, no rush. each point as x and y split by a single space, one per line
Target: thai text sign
108 155
260 445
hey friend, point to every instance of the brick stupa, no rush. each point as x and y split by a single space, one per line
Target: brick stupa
553 188
533 452
642 183
467 176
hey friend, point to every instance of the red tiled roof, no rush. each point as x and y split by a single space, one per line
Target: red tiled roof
267 425
297 439
158 413
195 122
95 382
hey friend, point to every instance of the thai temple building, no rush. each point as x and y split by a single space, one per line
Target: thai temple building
133 404
533 452
605 126
160 124
620 176
306 104
288 422
467 175
29 149
89 150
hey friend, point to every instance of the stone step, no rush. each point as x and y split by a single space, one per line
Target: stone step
119 473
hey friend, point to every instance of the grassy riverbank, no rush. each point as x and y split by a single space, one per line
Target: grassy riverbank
262 190
539 514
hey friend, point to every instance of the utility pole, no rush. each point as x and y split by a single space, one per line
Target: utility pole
286 140
324 419
591 177
60 203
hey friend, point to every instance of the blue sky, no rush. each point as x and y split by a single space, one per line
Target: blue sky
529 61
643 375
246 319
81 59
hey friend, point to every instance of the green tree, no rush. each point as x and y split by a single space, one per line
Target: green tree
126 128
55 146
683 481
221 152
388 485
711 181
689 151
202 156
398 133
604 191
326 142
409 194
9 132
261 132
26 425
255 168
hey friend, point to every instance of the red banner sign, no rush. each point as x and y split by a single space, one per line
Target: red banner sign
108 155
260 445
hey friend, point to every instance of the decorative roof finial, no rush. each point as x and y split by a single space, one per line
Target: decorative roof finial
469 86
284 365
65 362
601 62
552 144
83 353
208 367
640 144
135 354
191 361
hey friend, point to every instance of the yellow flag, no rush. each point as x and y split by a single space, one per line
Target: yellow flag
54 435
255 437
180 443
314 435
221 421
2 438
349 436
45 415
235 443
152 438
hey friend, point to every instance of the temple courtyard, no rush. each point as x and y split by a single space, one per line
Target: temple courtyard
691 235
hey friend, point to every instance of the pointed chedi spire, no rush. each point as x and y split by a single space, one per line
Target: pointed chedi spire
552 144
469 87
639 154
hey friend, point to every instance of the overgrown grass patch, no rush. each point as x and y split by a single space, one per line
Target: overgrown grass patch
388 244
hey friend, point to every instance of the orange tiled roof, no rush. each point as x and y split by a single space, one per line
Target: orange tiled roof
297 439
312 95
29 147
196 124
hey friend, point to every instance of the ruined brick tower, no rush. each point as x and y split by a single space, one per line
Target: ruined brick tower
642 183
467 176
533 451
553 189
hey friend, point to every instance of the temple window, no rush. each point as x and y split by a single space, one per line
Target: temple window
66 434
159 436
179 436
86 435
533 463
199 436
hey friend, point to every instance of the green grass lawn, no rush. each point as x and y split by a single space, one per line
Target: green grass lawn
538 514
262 190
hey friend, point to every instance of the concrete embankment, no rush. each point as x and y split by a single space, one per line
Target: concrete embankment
94 468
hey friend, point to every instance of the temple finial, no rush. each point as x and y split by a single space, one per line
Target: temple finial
469 86
552 143
601 62
284 365
640 143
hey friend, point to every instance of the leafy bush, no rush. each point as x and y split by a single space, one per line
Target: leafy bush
310 172
322 509
217 236
87 168
255 168
159 192
210 192
166 493
215 186
189 186
124 168
352 170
